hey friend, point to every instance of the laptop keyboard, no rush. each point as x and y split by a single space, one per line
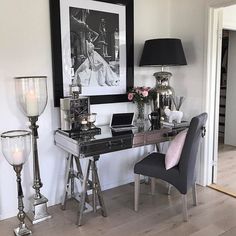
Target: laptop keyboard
122 126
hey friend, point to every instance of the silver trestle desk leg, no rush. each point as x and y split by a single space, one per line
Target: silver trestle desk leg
86 184
83 194
69 175
97 188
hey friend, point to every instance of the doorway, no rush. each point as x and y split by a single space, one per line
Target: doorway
226 167
218 137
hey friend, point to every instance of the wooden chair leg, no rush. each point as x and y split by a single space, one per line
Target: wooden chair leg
168 188
153 185
184 207
136 191
194 192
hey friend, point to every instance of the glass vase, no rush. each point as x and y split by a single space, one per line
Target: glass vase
140 113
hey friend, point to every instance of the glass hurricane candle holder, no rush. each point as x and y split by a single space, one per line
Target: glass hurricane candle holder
32 98
16 146
32 95
84 122
91 120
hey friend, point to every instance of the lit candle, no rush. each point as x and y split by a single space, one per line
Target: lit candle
84 122
32 107
91 118
17 157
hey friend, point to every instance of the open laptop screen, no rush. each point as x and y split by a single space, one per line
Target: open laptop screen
122 119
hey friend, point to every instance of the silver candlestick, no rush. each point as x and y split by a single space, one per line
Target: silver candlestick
32 97
38 210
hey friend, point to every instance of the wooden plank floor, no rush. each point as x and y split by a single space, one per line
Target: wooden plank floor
158 215
226 173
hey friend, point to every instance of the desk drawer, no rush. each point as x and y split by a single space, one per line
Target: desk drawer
150 137
155 138
106 146
139 140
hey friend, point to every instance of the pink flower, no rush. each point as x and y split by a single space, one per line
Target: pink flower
145 88
145 93
130 96
139 90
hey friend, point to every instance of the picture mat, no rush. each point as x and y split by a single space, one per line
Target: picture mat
66 44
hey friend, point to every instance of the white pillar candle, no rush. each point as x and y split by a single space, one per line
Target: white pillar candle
84 122
91 118
17 157
32 107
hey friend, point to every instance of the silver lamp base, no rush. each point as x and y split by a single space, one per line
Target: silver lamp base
39 210
22 230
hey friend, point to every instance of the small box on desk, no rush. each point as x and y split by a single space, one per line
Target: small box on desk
175 127
183 124
76 133
71 110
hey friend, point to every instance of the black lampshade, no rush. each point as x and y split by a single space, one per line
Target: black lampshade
163 52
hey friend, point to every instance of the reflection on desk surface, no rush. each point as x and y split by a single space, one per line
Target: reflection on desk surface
123 132
107 133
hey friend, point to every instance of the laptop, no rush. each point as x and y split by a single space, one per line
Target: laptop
122 121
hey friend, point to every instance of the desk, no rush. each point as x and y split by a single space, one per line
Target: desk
91 147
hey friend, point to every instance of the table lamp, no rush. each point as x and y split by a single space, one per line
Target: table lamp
163 52
16 149
32 97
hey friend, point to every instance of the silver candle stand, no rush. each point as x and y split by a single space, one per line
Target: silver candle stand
16 149
38 210
32 98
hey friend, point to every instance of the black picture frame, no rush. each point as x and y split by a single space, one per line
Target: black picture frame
57 53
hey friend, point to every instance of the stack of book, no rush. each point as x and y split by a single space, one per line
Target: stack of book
174 125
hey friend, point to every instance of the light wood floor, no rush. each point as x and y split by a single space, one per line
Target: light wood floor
226 173
158 215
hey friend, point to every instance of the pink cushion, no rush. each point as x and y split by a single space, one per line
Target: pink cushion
174 150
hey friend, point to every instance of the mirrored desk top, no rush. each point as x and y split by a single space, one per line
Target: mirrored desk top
91 144
107 133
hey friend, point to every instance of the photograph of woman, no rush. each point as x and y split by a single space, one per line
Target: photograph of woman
94 47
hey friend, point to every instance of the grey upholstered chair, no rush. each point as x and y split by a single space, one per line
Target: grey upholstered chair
181 176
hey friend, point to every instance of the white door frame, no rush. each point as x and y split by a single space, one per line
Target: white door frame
212 88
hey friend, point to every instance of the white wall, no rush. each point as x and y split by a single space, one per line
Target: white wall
151 21
230 113
25 49
229 17
189 21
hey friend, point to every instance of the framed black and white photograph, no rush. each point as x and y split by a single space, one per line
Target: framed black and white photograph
92 46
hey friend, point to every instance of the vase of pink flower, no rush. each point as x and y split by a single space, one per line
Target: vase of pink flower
141 96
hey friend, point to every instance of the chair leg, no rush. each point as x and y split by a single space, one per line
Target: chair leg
136 191
168 188
184 206
194 192
153 185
